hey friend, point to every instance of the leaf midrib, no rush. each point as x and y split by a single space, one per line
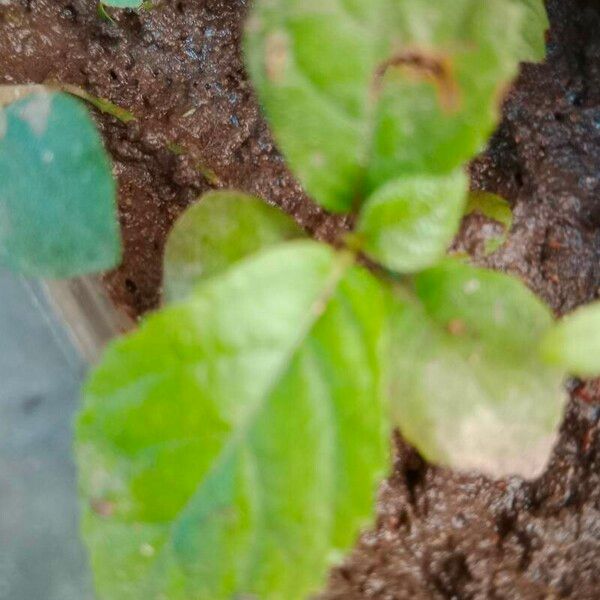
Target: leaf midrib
343 261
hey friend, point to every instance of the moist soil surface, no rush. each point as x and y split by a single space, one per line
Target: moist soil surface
178 68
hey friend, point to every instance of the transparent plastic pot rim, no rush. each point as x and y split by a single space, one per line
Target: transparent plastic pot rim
90 318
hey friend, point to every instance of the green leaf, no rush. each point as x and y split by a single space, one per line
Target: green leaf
574 342
218 231
409 223
442 89
231 448
470 390
358 93
493 207
57 193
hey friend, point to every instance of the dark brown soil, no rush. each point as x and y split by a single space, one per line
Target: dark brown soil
439 534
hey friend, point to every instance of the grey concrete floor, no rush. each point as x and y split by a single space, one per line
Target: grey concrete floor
41 555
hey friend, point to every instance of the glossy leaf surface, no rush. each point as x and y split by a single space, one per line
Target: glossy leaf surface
409 223
232 447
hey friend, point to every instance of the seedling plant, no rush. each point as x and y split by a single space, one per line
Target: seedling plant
232 446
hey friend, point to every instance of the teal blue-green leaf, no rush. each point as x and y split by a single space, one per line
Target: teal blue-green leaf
219 230
470 390
57 193
231 448
360 93
408 224
574 342
123 3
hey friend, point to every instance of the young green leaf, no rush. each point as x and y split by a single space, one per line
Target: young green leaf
57 193
232 446
358 93
219 230
493 207
408 224
574 342
470 390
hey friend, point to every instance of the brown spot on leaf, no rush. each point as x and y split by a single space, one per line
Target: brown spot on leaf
457 327
276 56
420 65
103 508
